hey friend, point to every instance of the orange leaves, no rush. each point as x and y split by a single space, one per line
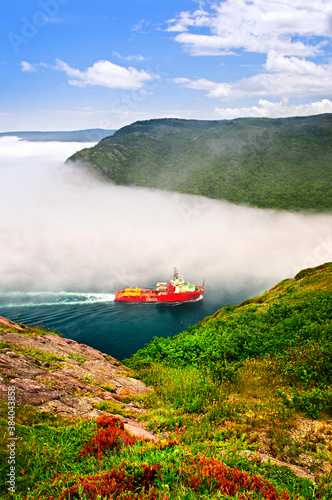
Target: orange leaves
117 484
110 435
215 474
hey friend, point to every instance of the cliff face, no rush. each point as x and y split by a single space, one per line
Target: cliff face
61 376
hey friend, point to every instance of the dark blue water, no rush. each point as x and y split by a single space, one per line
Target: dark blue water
118 329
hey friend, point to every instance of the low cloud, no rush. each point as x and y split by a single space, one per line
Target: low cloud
66 230
13 151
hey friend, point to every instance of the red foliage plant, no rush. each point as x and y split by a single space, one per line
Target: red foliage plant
110 435
117 484
214 473
202 476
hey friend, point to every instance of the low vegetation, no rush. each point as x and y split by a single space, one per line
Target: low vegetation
279 163
7 325
241 406
288 329
97 459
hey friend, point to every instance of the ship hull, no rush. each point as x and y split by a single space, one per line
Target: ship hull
153 296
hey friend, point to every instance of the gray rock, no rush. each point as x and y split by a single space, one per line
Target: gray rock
33 392
17 366
71 387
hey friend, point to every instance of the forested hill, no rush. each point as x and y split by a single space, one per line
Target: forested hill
274 163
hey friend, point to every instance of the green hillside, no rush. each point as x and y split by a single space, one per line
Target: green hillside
274 163
291 323
289 327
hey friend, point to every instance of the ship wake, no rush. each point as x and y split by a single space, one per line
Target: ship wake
36 299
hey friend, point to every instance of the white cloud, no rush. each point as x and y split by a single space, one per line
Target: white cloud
288 76
135 57
116 54
210 45
295 65
200 84
280 109
139 27
198 18
25 66
204 45
291 34
105 74
223 90
256 26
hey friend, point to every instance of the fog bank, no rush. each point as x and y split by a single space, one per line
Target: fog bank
63 229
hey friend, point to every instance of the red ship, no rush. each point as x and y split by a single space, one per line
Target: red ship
177 290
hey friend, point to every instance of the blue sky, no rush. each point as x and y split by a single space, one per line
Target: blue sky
76 64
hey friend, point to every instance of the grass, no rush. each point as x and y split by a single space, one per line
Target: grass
63 458
115 408
49 447
77 357
46 452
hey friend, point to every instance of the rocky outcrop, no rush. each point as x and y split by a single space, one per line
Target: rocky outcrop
66 378
10 324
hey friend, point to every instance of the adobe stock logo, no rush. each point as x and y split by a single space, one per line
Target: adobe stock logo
30 27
